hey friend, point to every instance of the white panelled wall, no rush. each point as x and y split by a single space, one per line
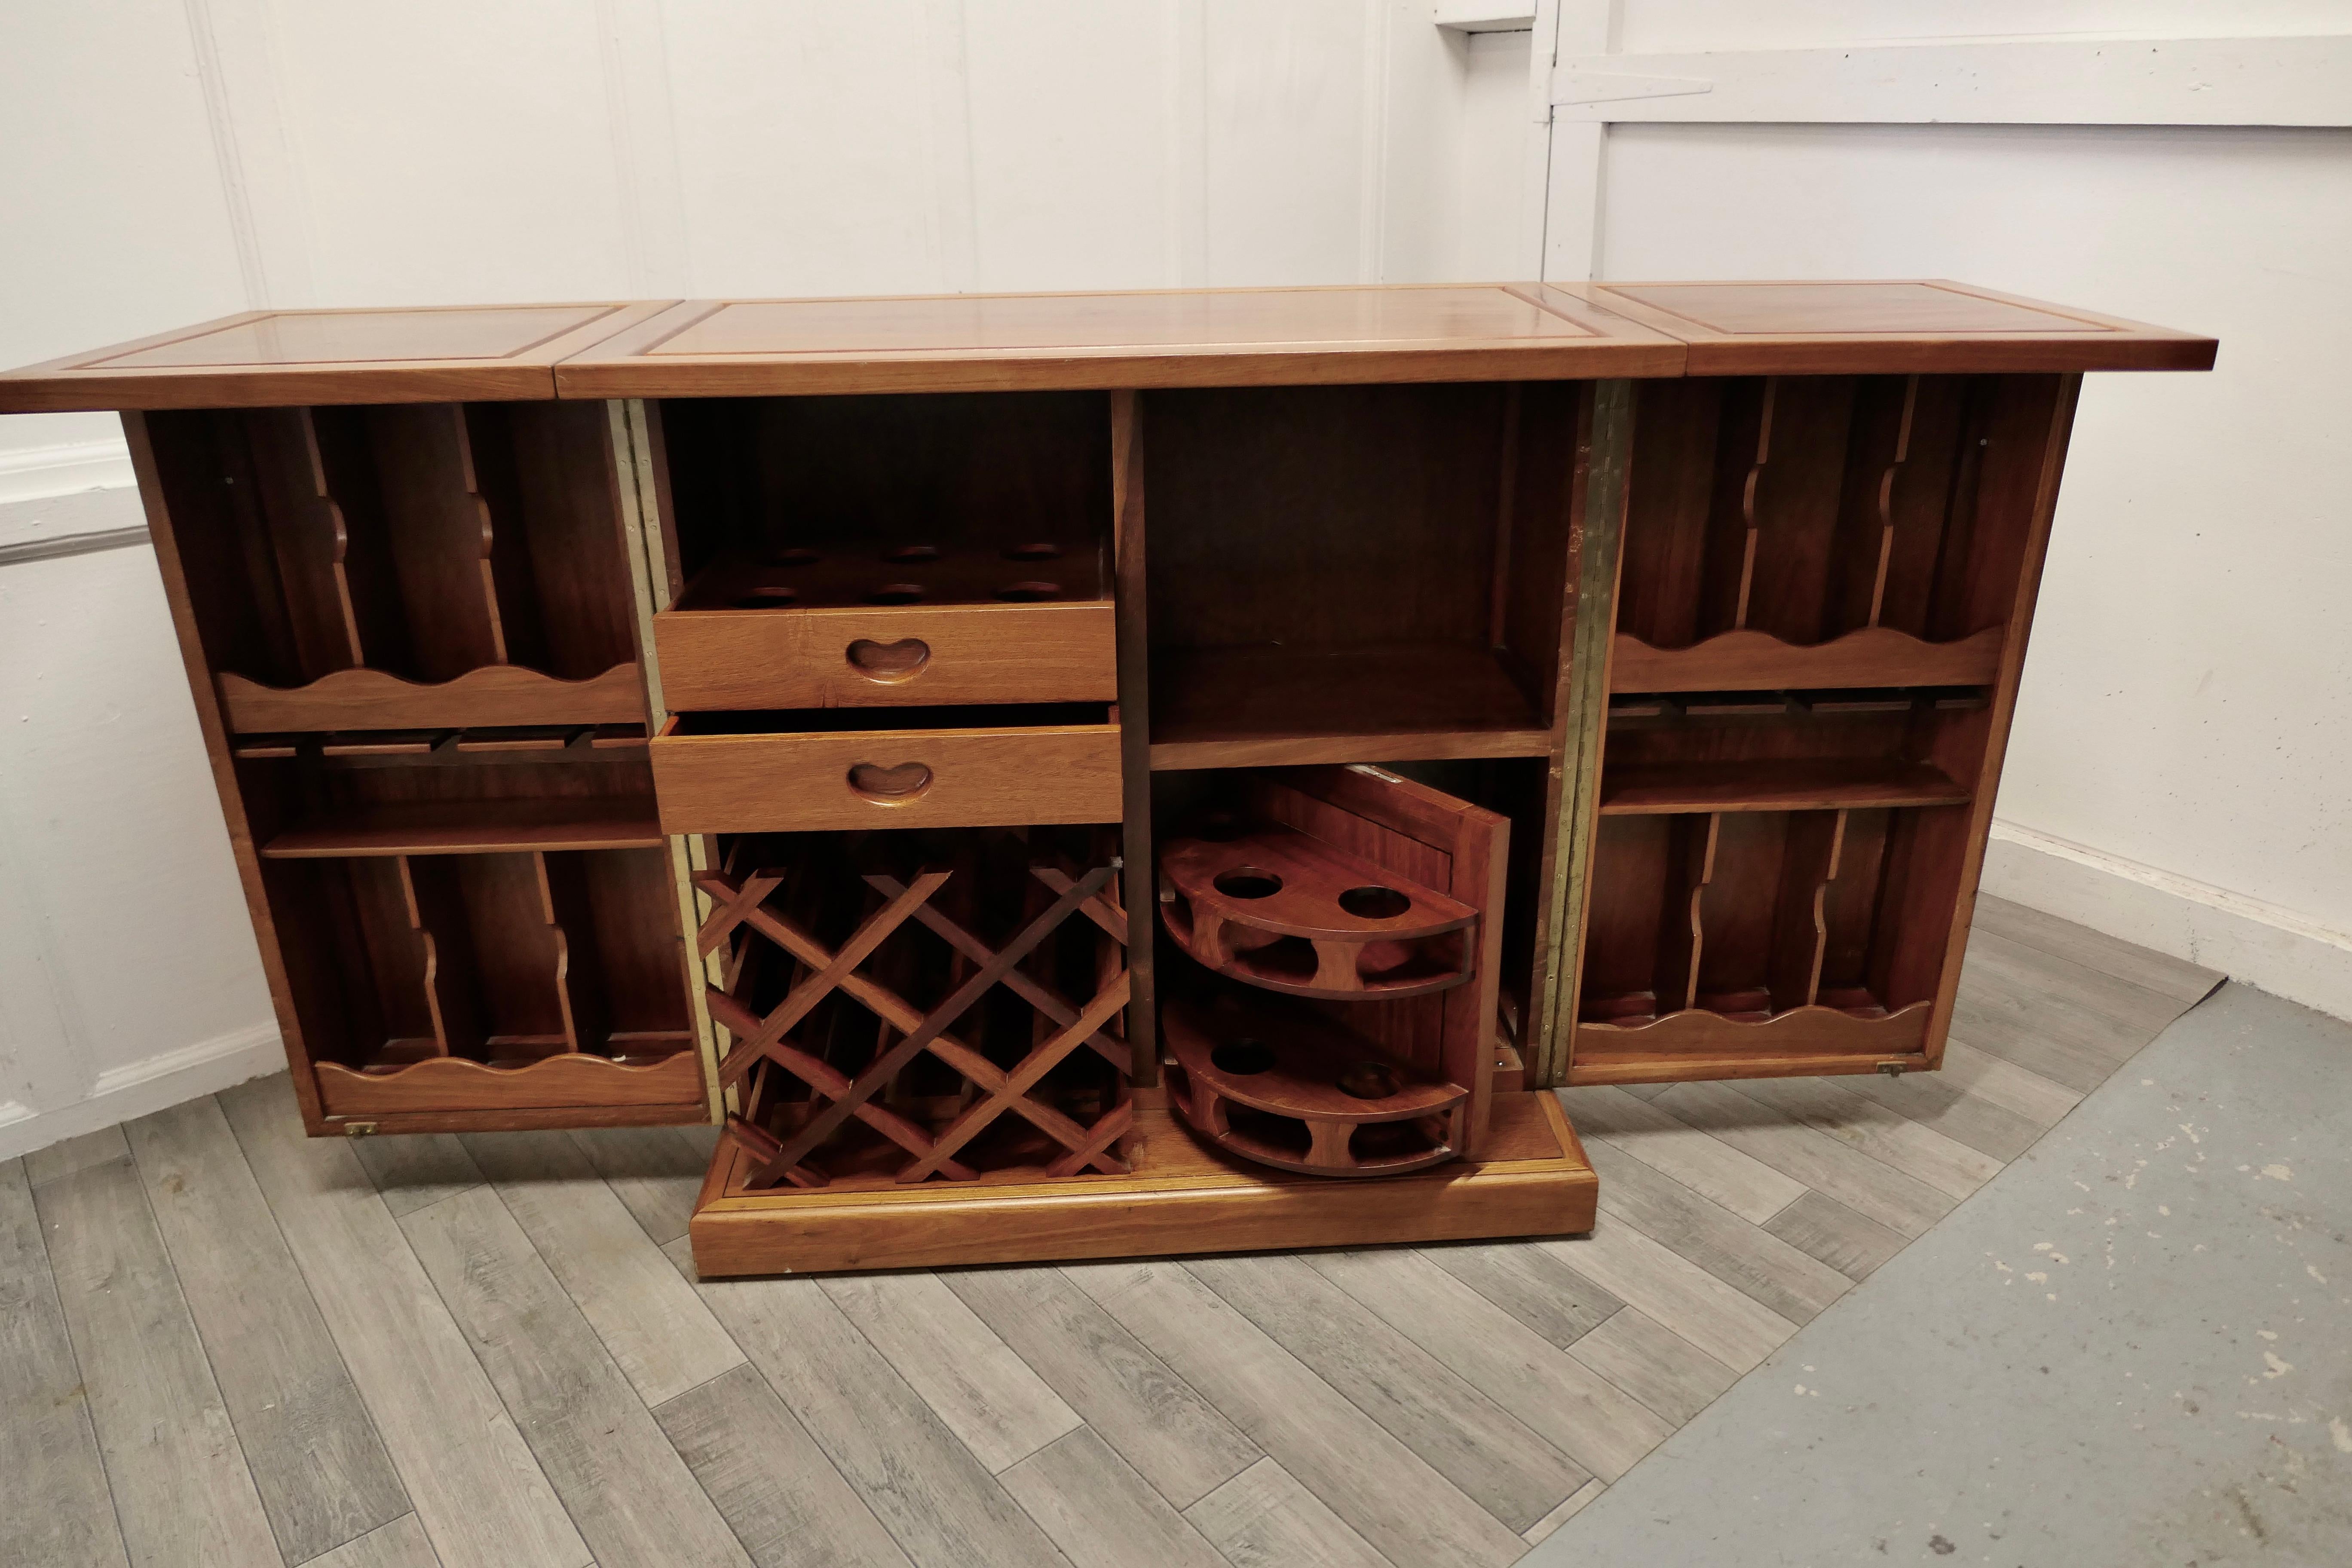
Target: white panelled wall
170 160
2186 703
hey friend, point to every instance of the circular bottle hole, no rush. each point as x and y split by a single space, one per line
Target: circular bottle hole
896 594
1248 882
1029 592
793 555
1373 903
1242 1059
1043 550
766 598
911 552
1369 1080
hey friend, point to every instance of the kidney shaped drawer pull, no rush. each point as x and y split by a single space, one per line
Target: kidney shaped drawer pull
889 661
889 786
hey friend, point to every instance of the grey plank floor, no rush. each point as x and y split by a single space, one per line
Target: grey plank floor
223 1343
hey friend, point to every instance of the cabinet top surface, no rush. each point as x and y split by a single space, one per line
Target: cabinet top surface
1011 341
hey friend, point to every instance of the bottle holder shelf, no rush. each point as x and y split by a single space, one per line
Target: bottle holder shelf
1751 660
972 574
1272 907
1285 1085
408 565
486 982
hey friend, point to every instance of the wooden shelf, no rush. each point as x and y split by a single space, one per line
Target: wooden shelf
1272 706
1774 785
471 827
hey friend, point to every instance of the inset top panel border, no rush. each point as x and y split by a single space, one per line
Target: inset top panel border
1225 337
426 353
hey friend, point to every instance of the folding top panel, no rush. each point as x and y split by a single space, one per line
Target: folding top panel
1848 328
274 358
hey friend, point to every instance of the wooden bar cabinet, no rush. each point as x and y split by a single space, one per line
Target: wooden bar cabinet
1082 775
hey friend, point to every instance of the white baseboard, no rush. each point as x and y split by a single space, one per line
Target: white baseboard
140 1088
2259 944
33 473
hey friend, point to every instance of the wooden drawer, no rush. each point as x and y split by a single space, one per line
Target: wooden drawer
871 656
963 768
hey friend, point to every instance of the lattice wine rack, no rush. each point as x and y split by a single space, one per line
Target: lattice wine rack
901 1006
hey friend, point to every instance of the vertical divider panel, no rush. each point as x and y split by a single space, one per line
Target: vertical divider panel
1682 936
1127 491
486 443
1808 864
438 914
587 1021
438 535
307 532
1573 795
1793 506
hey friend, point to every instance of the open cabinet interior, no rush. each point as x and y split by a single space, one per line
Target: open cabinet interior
1353 573
1826 531
1815 632
406 564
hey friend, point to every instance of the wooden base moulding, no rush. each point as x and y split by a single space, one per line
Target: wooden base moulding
1178 1197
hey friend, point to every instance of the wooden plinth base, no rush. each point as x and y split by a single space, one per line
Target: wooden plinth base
1180 1197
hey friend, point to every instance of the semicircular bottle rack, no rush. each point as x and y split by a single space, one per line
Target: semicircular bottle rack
1272 907
1293 1089
1312 1080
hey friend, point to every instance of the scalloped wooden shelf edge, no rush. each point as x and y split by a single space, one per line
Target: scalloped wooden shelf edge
363 698
459 1083
1801 1040
1752 660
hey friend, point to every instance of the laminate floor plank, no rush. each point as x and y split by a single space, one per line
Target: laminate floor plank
182 1493
1643 1090
1946 1106
655 1171
1708 1166
2041 978
650 1321
989 1397
1887 1136
1469 1438
59 1160
1542 1528
59 1514
1264 1519
1384 1490
2041 1101
1748 1257
2021 1007
1152 1418
1562 1401
771 1483
403 1543
1824 1228
2185 983
1720 1320
321 1470
479 1491
632 1499
1869 1187
1531 1285
1655 1364
1100 1513
938 1502
414 1169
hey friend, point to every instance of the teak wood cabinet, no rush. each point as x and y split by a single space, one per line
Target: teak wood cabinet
1092 774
